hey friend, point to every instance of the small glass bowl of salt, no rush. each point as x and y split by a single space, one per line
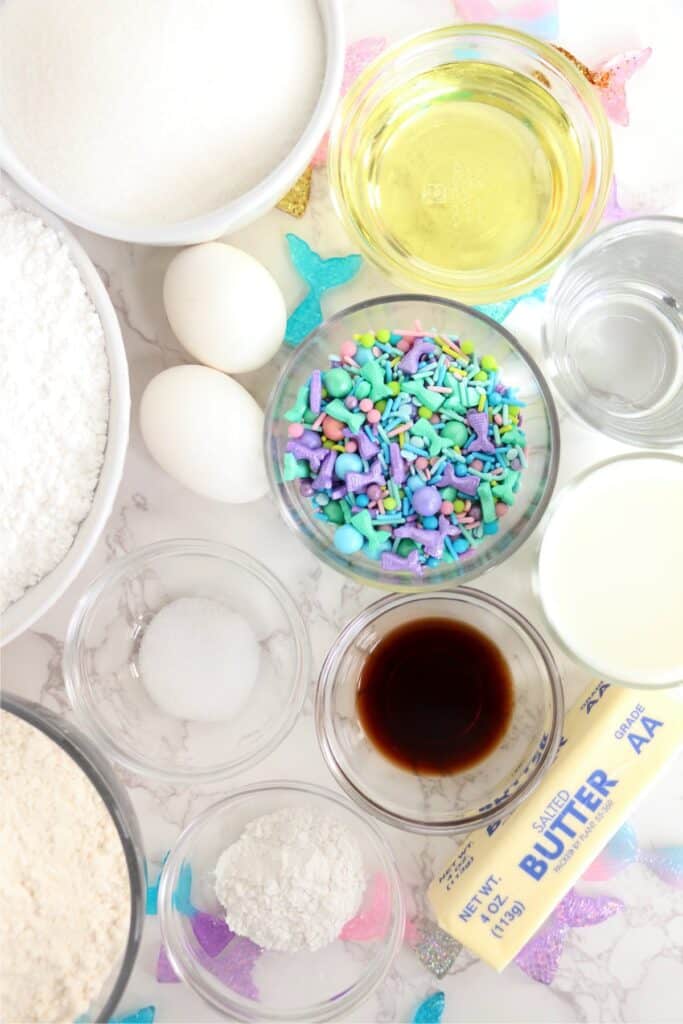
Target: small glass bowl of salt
187 661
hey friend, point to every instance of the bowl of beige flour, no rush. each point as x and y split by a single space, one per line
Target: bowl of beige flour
161 121
72 879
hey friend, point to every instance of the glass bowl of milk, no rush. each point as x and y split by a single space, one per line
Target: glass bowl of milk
610 569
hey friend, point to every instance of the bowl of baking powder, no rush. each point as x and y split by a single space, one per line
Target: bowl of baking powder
164 122
66 405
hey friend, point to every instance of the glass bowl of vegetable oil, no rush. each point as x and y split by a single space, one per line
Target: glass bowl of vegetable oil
469 160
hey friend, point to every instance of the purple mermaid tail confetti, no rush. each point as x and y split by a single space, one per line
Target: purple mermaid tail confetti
541 956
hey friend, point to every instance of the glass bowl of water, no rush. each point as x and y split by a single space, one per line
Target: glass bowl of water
218 614
613 335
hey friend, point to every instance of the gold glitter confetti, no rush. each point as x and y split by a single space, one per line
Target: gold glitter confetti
296 200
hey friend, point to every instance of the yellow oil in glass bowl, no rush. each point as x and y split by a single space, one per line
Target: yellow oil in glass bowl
469 176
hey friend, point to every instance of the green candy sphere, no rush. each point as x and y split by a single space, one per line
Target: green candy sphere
456 432
338 382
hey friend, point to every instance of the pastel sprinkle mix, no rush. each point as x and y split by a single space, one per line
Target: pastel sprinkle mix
407 470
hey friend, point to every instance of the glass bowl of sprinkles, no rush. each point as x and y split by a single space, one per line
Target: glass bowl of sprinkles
469 160
411 443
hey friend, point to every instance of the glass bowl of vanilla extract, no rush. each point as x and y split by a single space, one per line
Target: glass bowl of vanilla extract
469 160
439 712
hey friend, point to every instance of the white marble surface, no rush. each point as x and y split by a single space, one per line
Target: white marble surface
627 969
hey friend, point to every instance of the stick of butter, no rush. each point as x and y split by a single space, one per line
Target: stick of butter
506 879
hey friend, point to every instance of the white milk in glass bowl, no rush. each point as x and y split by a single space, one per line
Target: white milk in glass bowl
610 569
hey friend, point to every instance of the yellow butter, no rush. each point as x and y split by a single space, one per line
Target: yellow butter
506 879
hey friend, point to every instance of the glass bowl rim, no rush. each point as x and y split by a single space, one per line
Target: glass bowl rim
245 1009
571 485
541 50
374 579
456 826
81 619
81 750
616 231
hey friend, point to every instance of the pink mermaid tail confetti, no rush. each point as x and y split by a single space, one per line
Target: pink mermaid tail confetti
372 920
358 56
610 78
622 850
537 17
540 957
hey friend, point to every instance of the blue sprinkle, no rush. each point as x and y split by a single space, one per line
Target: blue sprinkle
143 1016
181 897
362 500
430 522
152 895
430 1010
499 311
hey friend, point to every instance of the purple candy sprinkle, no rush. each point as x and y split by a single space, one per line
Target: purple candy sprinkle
315 392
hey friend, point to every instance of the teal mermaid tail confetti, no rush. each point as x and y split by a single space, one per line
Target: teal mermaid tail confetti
145 1015
320 275
500 311
430 1010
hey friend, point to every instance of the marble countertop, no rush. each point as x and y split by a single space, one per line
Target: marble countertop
629 968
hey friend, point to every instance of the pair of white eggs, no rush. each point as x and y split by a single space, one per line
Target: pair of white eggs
202 427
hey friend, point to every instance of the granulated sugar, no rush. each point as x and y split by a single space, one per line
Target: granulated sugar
54 382
153 111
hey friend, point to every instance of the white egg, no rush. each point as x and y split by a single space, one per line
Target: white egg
224 307
206 431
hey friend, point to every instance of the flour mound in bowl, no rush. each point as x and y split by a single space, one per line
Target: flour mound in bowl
150 112
54 382
64 885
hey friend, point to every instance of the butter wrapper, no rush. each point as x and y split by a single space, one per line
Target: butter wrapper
505 880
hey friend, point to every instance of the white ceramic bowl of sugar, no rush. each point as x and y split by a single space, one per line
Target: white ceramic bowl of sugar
239 211
40 597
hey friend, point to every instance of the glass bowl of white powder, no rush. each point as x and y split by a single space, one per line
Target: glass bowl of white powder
300 869
66 406
187 660
165 123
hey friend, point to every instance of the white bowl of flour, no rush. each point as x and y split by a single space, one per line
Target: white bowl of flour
66 397
161 121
